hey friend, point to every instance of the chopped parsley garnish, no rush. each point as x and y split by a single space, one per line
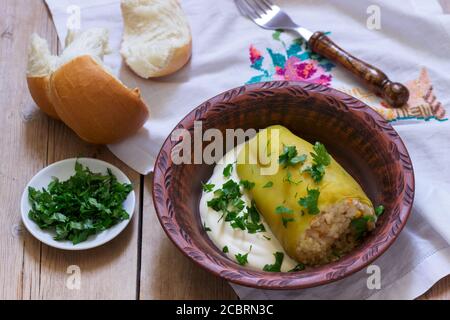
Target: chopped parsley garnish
208 187
359 225
253 213
207 229
321 159
286 221
268 185
276 267
299 267
379 210
86 204
225 249
237 222
282 209
288 179
290 157
320 155
228 170
253 225
248 185
267 238
310 201
316 172
226 197
242 259
228 201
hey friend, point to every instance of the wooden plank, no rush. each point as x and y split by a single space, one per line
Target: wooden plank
30 141
108 272
440 291
165 272
24 135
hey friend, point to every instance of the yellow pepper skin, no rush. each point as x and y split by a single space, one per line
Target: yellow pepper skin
336 186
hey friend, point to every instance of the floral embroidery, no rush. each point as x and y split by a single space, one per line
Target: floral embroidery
422 104
296 63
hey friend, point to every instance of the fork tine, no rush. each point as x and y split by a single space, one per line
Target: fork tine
253 8
240 8
246 10
257 7
267 3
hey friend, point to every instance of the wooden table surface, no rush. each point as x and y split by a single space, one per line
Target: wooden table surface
141 263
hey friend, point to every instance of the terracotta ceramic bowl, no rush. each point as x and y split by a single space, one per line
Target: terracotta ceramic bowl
357 137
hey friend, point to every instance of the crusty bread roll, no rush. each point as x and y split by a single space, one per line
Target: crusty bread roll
103 110
76 88
157 38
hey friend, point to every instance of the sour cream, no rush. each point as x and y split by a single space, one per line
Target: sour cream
260 246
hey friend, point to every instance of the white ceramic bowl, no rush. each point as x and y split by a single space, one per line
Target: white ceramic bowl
63 170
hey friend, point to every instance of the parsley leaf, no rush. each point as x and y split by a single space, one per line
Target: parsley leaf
379 210
268 185
254 213
208 187
207 229
228 201
316 172
84 205
228 170
310 201
359 225
239 222
224 197
254 225
320 155
321 159
286 221
288 179
276 267
225 249
282 209
242 259
299 267
248 185
290 157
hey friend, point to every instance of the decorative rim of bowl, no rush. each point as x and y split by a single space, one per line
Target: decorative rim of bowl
325 274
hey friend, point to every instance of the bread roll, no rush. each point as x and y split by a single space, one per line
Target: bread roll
40 66
76 88
157 38
103 110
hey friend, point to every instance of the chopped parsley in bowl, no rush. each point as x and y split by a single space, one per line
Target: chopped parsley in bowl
78 204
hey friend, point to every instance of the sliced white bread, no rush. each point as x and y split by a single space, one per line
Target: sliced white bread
157 38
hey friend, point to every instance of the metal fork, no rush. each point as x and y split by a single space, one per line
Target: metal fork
270 16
